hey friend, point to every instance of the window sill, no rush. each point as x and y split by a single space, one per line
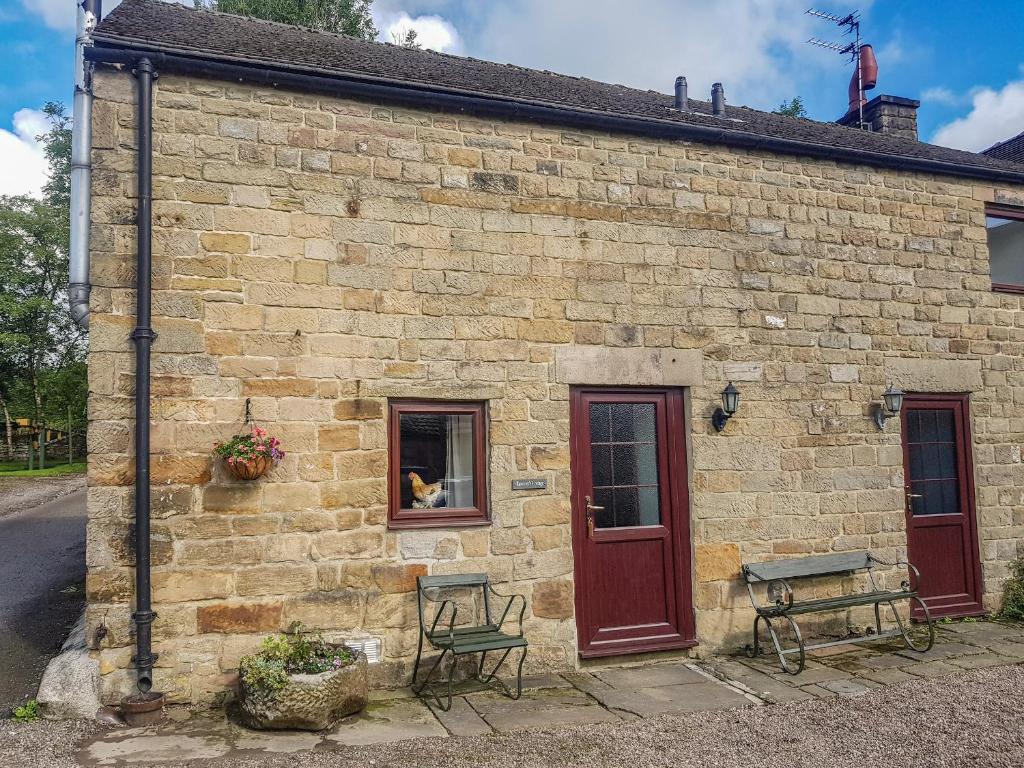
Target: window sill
416 519
1007 288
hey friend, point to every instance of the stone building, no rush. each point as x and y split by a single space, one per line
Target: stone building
408 262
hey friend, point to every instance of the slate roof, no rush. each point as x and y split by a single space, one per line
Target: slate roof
202 35
1011 149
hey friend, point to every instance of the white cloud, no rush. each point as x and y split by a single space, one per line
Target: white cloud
433 32
994 116
21 155
57 14
756 48
942 95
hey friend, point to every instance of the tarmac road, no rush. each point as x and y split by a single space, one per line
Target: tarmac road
42 575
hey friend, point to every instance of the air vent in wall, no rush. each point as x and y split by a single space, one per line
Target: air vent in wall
368 645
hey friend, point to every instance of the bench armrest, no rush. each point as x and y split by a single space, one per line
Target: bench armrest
911 584
451 621
782 604
508 607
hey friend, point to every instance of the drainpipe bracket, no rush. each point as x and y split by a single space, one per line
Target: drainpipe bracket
143 333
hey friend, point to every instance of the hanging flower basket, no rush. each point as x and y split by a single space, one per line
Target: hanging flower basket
250 455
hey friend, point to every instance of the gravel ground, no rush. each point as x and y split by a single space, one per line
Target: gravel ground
970 719
20 493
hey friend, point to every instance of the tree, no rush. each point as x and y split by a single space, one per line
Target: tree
794 108
408 40
347 17
40 344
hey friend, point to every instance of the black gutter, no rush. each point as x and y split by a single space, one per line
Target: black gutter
143 337
440 99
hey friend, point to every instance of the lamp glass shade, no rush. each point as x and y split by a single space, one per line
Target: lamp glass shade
893 398
730 399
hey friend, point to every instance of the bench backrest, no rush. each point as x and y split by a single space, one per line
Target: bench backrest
801 567
464 581
455 580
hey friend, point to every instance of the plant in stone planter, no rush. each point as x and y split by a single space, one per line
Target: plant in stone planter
300 681
248 456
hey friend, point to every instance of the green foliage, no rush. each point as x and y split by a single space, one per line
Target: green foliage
347 17
793 108
299 653
42 372
408 40
28 712
53 469
1013 593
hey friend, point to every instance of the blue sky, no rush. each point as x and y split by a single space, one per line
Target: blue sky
964 60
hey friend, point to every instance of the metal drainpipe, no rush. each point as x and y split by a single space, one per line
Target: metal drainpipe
143 337
88 13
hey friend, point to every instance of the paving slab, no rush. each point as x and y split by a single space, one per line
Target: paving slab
977 631
532 716
931 669
651 676
887 661
673 699
845 688
890 676
1013 651
812 675
491 702
384 722
276 742
531 682
586 682
461 719
941 651
981 660
199 739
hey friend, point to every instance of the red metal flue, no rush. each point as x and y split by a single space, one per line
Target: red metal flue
868 76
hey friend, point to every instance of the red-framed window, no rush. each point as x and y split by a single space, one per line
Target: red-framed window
437 464
1005 227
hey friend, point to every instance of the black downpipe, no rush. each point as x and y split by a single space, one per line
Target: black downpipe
143 337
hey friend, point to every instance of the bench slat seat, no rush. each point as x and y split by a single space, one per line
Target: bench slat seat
836 603
777 574
481 641
441 634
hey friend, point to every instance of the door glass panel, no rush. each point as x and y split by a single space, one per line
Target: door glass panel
932 469
624 460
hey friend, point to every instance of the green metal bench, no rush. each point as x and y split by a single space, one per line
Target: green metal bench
778 573
455 641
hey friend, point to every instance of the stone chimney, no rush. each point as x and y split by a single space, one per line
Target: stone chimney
893 115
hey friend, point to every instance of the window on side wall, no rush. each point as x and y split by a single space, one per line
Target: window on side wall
1005 227
436 464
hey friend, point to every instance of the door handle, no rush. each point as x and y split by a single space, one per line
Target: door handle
591 509
915 496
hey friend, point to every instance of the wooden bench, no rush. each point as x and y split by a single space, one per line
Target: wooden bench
453 641
782 605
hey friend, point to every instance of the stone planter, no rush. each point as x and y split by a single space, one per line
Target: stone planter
258 468
307 702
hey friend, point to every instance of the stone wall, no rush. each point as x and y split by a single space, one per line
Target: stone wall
319 256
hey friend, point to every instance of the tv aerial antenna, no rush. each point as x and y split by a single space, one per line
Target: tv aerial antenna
851 26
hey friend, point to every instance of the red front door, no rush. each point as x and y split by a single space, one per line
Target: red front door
942 533
630 527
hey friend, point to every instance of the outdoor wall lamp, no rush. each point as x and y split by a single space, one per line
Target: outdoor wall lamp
730 402
892 402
